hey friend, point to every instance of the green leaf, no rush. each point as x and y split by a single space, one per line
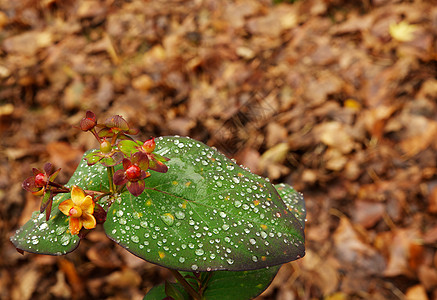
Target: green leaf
158 292
294 201
92 156
227 285
174 292
53 237
128 147
206 213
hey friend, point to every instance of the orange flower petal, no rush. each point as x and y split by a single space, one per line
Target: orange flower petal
89 222
77 195
88 205
65 206
75 225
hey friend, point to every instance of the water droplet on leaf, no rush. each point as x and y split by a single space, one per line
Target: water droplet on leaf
168 219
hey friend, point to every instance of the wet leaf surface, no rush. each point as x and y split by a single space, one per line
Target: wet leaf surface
207 213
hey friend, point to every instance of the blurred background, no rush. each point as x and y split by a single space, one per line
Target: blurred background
337 98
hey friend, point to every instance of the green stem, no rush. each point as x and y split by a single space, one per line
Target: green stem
205 282
112 187
190 290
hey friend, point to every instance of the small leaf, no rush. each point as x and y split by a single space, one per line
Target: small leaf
225 218
127 147
92 157
45 200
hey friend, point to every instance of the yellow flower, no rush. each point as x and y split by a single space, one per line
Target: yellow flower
402 31
80 209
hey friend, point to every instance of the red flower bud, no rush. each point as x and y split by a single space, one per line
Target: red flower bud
40 180
133 173
89 122
149 145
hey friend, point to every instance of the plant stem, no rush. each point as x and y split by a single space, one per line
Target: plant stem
112 187
205 282
190 290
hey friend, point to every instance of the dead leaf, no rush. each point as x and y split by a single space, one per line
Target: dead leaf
352 250
64 156
28 43
367 214
324 270
280 18
27 280
61 288
124 278
401 254
74 280
416 292
335 135
402 31
428 277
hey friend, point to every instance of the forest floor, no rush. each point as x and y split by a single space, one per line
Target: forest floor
337 98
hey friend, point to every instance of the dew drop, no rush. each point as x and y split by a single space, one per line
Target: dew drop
179 215
60 230
194 267
237 203
225 226
168 219
230 261
222 214
252 241
254 258
65 240
135 239
199 252
181 259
